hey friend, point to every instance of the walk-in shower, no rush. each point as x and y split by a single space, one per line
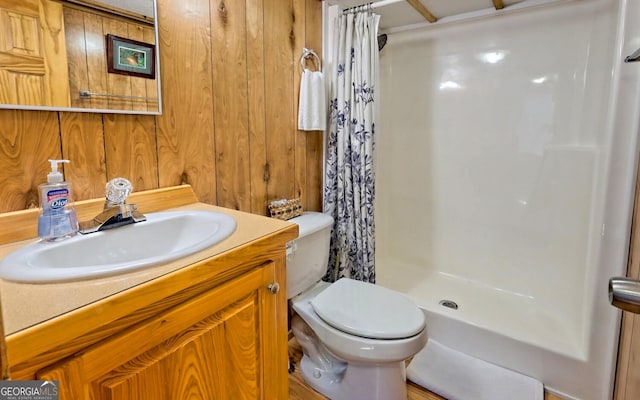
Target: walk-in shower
506 156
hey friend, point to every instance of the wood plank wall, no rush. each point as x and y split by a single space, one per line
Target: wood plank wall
627 385
230 75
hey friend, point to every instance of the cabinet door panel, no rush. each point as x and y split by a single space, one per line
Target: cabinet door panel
207 348
33 56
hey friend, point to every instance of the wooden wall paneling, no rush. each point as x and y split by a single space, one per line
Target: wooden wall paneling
149 36
185 129
27 140
138 84
131 149
314 171
279 45
96 58
178 146
230 105
308 145
83 144
314 159
632 385
627 385
76 56
117 84
256 104
300 137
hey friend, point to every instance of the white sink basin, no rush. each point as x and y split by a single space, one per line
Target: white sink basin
163 237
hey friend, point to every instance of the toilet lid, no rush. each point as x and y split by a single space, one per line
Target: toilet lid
368 310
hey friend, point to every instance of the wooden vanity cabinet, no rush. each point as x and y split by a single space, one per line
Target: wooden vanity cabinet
209 326
217 345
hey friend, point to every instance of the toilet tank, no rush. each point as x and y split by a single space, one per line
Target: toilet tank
308 255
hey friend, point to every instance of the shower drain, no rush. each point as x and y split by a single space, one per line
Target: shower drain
449 304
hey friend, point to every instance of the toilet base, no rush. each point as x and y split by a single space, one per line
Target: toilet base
358 382
339 380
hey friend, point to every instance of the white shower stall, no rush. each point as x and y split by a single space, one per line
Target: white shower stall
506 160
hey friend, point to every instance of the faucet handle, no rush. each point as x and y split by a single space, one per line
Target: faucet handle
117 190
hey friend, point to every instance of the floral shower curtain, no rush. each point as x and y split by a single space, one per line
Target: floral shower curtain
349 175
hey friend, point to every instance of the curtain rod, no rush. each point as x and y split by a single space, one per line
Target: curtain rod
370 6
416 4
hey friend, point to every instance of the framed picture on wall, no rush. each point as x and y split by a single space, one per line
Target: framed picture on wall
130 57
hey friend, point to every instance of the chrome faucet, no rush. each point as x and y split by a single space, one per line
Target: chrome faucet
116 211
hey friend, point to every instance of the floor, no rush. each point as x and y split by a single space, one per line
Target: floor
298 390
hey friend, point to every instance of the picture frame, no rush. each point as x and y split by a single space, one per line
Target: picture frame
130 57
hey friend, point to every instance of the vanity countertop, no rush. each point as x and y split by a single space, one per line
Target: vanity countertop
26 304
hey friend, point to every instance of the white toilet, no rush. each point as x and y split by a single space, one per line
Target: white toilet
355 336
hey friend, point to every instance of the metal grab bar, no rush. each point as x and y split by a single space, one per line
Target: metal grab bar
85 94
633 57
624 293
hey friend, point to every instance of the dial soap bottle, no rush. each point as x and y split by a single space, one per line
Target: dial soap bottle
58 219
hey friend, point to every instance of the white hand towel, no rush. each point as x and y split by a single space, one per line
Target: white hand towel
458 376
312 107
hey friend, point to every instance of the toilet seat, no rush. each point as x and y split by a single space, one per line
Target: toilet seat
368 310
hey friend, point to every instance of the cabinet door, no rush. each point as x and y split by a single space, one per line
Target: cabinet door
215 346
33 55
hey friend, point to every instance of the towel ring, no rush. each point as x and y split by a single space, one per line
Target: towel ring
308 53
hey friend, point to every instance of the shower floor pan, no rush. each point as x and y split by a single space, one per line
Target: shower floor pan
464 314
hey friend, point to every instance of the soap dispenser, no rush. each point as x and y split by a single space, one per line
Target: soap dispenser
58 219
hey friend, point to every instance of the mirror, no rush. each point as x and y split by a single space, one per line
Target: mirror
80 55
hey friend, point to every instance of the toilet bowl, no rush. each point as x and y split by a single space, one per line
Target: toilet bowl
355 336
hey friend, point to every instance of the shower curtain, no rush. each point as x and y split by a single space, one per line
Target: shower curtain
349 176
